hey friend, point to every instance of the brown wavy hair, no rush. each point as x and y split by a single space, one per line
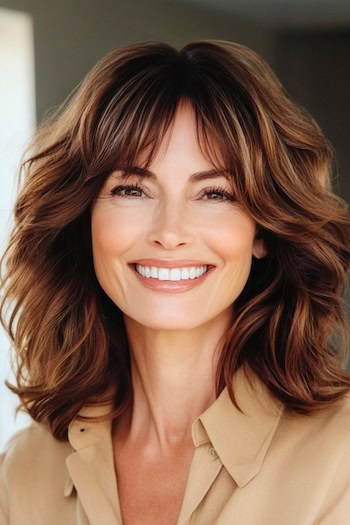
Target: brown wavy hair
289 325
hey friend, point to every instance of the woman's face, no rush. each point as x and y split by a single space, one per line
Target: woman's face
178 217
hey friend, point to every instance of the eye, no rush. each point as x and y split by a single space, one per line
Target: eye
128 191
220 194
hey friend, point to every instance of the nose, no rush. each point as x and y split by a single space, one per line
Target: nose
170 226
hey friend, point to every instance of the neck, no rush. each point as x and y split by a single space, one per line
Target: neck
173 379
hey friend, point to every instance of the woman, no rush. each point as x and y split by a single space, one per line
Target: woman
173 287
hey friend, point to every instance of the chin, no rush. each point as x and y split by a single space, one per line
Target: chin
171 322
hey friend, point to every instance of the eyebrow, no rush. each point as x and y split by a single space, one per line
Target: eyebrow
194 177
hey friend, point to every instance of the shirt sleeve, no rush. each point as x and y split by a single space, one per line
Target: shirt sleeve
336 507
3 495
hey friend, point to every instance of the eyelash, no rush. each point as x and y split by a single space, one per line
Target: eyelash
228 196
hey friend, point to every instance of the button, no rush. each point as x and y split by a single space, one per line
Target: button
212 453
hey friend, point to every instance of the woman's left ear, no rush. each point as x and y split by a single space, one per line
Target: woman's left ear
259 247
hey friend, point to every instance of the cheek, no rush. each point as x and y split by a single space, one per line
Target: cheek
112 233
233 237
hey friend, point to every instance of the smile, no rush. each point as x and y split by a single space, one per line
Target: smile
171 274
171 280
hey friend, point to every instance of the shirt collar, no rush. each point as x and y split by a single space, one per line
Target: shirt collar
241 440
91 466
82 434
85 434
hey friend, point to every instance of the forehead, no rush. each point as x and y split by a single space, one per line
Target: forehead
181 147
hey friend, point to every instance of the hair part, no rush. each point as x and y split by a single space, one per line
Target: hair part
70 340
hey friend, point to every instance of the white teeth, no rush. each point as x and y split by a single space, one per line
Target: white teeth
173 274
163 274
185 273
192 273
154 272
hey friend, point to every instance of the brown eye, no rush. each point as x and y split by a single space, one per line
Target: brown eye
131 190
219 194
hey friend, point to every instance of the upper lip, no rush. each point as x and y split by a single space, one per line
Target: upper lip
159 263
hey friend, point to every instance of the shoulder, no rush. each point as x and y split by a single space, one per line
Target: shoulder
32 447
32 463
307 466
319 442
333 420
330 425
333 429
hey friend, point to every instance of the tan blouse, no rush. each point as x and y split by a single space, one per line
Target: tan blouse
264 467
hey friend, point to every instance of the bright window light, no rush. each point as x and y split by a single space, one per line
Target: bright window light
17 124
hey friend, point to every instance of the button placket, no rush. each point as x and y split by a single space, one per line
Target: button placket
203 472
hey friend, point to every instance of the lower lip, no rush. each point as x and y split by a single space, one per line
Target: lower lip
171 286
